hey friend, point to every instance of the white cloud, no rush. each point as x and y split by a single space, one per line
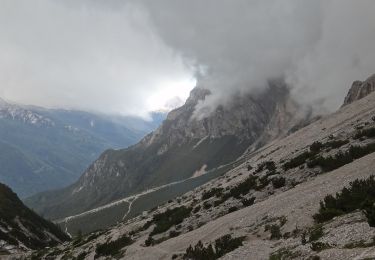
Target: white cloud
131 56
319 46
85 56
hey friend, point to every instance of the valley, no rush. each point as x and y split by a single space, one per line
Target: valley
44 149
138 204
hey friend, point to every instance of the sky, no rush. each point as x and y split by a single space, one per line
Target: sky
130 57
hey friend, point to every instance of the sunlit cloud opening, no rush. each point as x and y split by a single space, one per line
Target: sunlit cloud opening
170 94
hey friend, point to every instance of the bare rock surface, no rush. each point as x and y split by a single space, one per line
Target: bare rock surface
360 89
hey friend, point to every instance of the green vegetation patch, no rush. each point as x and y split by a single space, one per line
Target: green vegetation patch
319 246
315 233
211 193
369 132
360 244
340 159
297 161
359 195
278 182
267 165
164 221
221 247
243 188
311 156
113 248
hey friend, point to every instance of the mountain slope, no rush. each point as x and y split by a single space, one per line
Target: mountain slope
180 148
21 229
267 203
44 149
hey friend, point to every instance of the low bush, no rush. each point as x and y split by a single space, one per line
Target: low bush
297 161
315 233
244 187
207 205
113 248
267 165
213 192
232 209
359 195
275 232
319 246
149 241
369 132
169 218
278 182
174 233
310 157
82 256
336 144
315 147
221 247
248 202
340 159
219 202
197 209
263 182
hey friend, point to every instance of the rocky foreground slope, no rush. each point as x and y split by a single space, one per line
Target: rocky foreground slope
21 229
274 205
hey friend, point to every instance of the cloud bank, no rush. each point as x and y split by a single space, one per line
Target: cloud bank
120 56
320 47
83 55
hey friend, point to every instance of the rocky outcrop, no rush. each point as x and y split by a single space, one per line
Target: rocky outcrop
360 89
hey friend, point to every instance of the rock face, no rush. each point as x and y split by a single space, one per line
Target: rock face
21 229
176 150
360 89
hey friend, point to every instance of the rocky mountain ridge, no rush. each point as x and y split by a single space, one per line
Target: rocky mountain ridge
268 207
360 89
180 140
20 113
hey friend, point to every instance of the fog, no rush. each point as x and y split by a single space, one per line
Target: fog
86 56
113 56
318 47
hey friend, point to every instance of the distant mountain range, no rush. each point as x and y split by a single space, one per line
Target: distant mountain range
43 149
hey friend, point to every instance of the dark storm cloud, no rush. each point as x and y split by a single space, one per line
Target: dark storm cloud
319 47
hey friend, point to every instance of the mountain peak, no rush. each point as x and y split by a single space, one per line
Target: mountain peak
360 89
